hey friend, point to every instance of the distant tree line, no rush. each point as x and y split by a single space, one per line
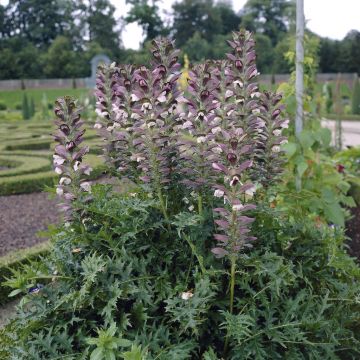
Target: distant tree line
57 38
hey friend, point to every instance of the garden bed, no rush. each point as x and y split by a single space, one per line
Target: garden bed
22 217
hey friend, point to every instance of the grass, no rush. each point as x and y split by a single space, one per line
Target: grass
13 97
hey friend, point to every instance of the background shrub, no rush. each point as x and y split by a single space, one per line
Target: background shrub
2 106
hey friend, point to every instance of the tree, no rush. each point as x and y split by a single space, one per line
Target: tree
270 17
202 16
264 53
60 60
147 16
39 21
197 48
99 23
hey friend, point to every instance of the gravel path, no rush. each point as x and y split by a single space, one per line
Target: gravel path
21 217
351 131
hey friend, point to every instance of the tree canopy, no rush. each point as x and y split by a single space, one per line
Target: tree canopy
36 36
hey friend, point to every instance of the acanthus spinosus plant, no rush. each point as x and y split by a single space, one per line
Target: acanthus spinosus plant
223 136
169 282
69 155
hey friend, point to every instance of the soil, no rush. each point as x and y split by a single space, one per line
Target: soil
353 232
21 217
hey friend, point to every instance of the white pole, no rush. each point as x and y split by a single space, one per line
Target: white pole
299 83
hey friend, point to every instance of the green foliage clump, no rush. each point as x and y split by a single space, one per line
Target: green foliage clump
25 108
355 103
120 278
2 106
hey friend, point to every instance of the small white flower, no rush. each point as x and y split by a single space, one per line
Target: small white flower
58 170
283 142
160 123
97 126
58 160
216 121
217 150
86 186
151 124
65 180
238 83
145 107
250 192
187 295
230 112
235 180
255 94
77 165
200 116
186 200
134 97
201 139
110 128
218 193
277 132
216 130
285 124
135 116
228 93
101 113
237 207
276 149
139 159
191 208
162 97
59 191
187 125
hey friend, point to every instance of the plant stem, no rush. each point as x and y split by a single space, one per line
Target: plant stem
162 203
200 205
232 290
232 284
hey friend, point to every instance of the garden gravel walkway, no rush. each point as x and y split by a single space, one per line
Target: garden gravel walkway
21 217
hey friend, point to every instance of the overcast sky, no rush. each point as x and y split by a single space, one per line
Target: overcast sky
330 18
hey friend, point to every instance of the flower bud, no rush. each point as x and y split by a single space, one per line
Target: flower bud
238 64
231 157
65 129
70 146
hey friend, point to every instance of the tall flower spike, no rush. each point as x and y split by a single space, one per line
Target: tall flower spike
109 120
268 159
201 123
123 86
242 74
236 191
69 155
157 98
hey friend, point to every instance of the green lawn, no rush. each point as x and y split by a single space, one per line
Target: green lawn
13 97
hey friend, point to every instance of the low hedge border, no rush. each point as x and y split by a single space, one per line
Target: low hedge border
24 165
29 183
30 145
344 117
14 260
